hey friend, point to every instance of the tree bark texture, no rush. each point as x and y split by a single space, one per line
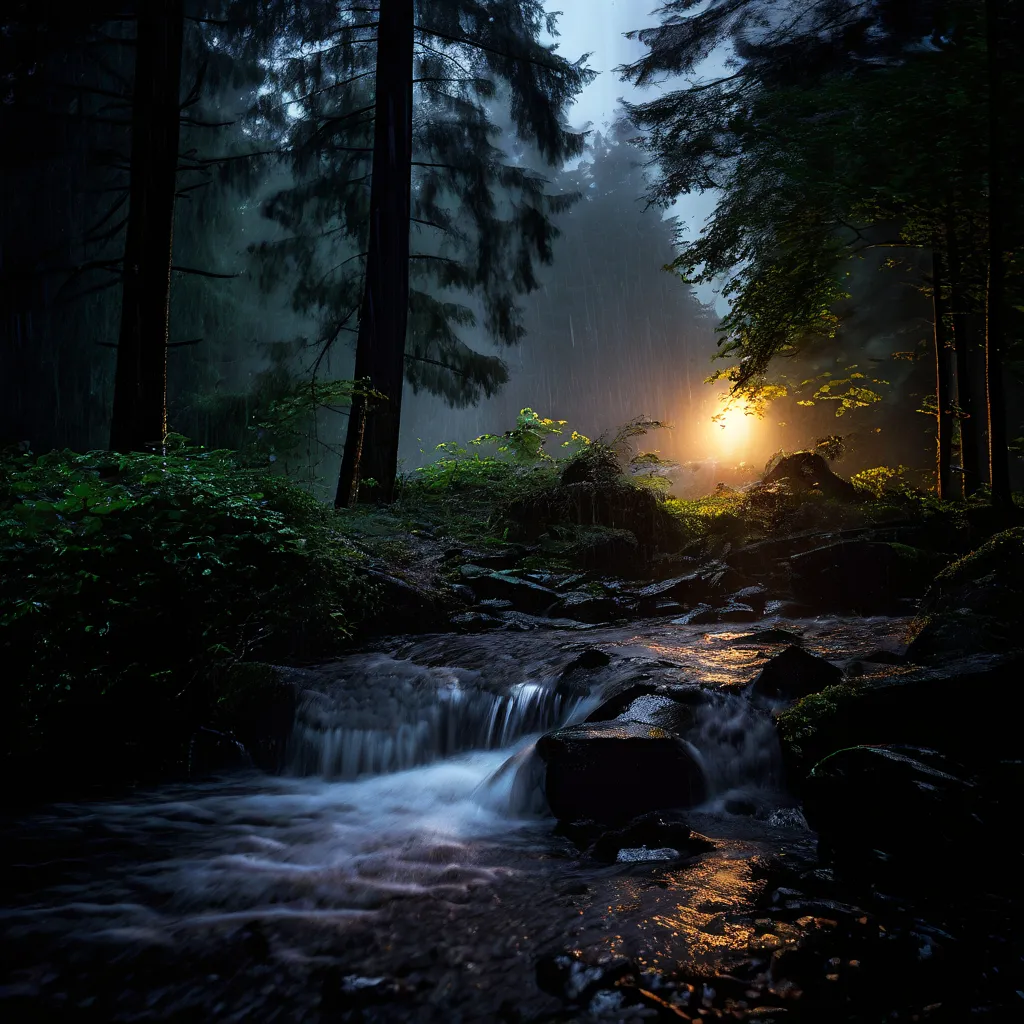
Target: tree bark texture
139 419
943 420
995 303
371 445
970 470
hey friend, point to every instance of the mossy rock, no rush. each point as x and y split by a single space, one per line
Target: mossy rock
947 707
975 604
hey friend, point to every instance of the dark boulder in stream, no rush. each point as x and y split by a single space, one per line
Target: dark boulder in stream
794 673
610 772
891 812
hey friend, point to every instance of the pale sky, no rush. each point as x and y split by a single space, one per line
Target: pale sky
598 27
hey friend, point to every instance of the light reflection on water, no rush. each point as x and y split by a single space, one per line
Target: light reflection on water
700 915
304 853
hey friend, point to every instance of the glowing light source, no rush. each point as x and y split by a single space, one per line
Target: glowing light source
732 429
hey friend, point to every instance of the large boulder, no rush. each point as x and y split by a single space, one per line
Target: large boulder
886 812
949 707
610 772
794 673
863 576
808 471
976 604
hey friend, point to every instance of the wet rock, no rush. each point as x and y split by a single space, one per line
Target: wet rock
807 471
770 636
977 603
735 611
863 576
696 587
685 698
890 810
786 609
794 673
654 831
755 595
947 707
525 595
592 658
575 981
474 622
586 607
613 771
698 616
522 622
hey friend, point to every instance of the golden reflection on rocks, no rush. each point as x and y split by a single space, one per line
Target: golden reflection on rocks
696 914
719 656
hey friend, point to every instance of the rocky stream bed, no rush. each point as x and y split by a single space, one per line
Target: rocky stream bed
402 867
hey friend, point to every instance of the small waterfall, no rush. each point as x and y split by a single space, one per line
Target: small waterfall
395 715
738 744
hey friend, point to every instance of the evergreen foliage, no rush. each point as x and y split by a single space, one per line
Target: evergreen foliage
482 222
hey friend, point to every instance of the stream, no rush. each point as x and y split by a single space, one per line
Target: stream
399 871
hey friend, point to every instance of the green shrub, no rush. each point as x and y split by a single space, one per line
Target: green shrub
142 573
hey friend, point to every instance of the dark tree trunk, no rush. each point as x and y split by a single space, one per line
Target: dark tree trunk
371 445
970 478
995 305
943 422
139 418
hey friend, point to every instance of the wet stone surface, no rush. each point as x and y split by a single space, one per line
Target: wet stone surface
418 896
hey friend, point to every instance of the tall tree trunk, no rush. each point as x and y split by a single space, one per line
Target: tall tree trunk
140 383
967 421
995 306
943 423
371 444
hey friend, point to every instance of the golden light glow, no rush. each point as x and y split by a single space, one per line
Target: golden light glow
733 429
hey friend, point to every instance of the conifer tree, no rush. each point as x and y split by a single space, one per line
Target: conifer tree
480 221
139 417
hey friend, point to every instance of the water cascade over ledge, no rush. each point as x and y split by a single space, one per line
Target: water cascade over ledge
388 715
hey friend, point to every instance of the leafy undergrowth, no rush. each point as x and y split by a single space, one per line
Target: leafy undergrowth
130 583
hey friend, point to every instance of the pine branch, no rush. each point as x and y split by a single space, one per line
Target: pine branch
521 58
202 273
197 123
436 362
447 56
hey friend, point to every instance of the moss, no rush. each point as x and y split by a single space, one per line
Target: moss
804 728
1002 554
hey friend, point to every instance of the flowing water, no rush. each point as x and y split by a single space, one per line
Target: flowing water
399 854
